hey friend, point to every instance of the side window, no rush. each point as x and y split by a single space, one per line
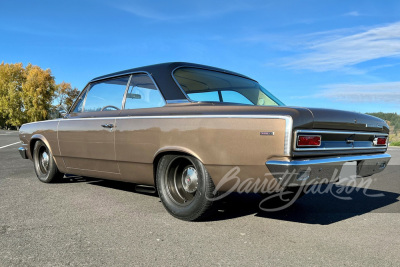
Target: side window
235 97
143 93
106 95
79 106
204 96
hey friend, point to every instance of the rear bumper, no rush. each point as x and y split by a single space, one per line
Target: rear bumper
324 170
22 152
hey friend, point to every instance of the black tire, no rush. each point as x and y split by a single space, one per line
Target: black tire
185 187
44 164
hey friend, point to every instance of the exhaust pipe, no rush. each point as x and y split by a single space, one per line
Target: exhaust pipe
148 189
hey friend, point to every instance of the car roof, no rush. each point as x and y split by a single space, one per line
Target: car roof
162 74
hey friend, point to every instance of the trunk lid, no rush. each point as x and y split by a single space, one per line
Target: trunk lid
347 120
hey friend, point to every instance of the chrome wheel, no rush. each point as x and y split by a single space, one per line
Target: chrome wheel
185 187
45 167
190 180
182 181
44 162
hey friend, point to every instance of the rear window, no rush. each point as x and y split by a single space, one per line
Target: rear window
213 86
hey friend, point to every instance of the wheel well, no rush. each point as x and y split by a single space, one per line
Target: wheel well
32 145
158 158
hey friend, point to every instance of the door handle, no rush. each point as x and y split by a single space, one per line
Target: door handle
107 125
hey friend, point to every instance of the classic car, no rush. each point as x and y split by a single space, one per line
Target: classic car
182 127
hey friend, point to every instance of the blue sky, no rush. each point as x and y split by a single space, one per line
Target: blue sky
332 54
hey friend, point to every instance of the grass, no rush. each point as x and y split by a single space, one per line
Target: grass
396 143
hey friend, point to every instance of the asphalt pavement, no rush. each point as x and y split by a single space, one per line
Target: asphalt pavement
91 222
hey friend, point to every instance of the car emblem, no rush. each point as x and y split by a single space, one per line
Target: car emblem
267 133
374 126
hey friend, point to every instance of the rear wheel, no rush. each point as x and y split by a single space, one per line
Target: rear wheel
185 187
45 166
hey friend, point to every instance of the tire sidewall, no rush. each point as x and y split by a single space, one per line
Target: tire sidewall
52 169
199 202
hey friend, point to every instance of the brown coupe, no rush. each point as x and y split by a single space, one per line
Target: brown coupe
183 127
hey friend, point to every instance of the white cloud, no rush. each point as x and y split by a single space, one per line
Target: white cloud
352 14
388 92
338 52
181 10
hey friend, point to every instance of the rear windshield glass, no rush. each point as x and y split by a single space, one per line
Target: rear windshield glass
212 86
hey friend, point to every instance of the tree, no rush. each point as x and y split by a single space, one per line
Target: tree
12 76
27 94
65 95
38 91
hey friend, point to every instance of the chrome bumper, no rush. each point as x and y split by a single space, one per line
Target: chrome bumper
324 170
22 152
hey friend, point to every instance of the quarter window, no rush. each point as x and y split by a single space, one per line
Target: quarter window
143 93
106 95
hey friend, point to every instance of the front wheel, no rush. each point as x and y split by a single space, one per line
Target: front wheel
185 187
45 166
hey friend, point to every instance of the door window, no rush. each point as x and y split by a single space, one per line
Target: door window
106 95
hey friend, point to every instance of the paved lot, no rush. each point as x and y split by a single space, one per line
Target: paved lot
103 223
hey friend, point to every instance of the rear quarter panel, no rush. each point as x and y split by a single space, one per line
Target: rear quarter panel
220 143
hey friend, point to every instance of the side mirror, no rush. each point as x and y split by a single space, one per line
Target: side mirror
62 113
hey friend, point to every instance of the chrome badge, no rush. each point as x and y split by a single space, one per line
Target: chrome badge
267 133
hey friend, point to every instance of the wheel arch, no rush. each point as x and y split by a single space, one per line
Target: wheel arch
170 150
39 137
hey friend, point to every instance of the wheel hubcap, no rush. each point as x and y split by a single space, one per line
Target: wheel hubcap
44 161
182 181
190 179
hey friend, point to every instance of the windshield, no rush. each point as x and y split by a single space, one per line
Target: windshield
213 86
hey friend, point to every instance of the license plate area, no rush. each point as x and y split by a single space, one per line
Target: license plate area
349 170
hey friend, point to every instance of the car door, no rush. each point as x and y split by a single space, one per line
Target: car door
137 135
87 135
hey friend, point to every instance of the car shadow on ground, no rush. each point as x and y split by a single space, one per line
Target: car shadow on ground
325 206
125 186
313 208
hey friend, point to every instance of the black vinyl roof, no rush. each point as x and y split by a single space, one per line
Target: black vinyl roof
162 74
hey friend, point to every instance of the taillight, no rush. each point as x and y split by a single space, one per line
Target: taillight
308 140
380 141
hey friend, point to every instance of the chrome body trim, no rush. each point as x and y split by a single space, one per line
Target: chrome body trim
88 86
288 122
126 92
151 78
288 136
324 170
297 133
308 162
339 132
177 101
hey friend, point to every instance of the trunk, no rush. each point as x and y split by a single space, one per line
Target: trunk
346 120
341 133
